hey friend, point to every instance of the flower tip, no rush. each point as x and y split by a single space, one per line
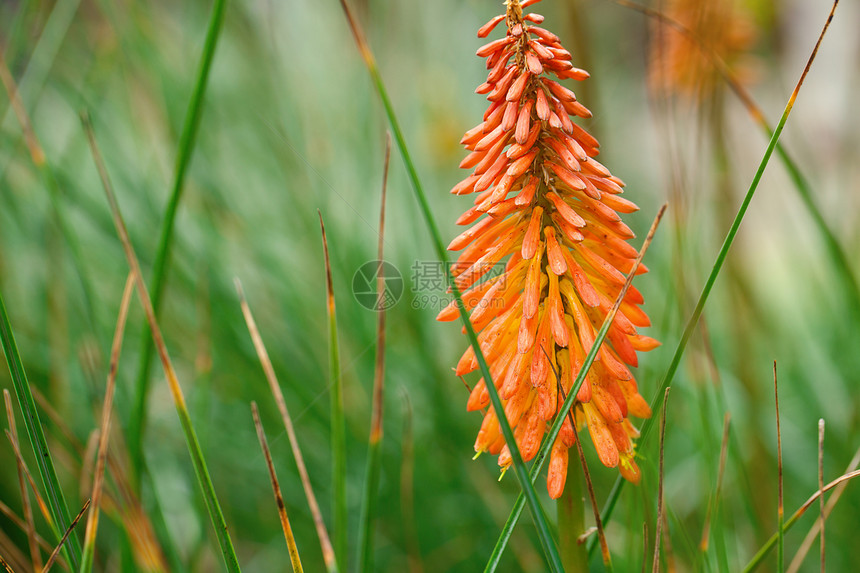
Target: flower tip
449 313
557 473
629 469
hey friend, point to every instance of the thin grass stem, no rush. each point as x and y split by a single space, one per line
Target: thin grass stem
53 557
374 450
198 460
104 432
780 508
822 514
187 140
338 419
22 525
295 560
5 565
40 501
268 369
655 564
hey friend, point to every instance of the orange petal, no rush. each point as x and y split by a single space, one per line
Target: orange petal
601 437
524 123
565 210
532 236
557 472
493 46
484 30
541 105
629 470
525 196
478 398
510 117
554 252
518 87
533 63
556 313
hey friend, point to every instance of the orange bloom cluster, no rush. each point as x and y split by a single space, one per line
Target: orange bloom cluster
543 203
678 63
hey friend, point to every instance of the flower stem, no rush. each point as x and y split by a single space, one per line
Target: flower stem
571 524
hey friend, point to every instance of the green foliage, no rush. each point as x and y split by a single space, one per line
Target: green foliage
293 124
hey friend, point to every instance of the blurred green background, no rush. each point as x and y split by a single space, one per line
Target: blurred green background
292 125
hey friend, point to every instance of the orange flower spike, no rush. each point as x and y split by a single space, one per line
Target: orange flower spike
552 218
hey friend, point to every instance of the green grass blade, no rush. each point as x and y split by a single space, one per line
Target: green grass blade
33 424
137 419
780 508
368 509
544 534
543 453
715 269
198 460
374 451
338 421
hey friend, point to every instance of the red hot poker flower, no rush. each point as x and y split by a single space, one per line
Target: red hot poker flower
547 211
